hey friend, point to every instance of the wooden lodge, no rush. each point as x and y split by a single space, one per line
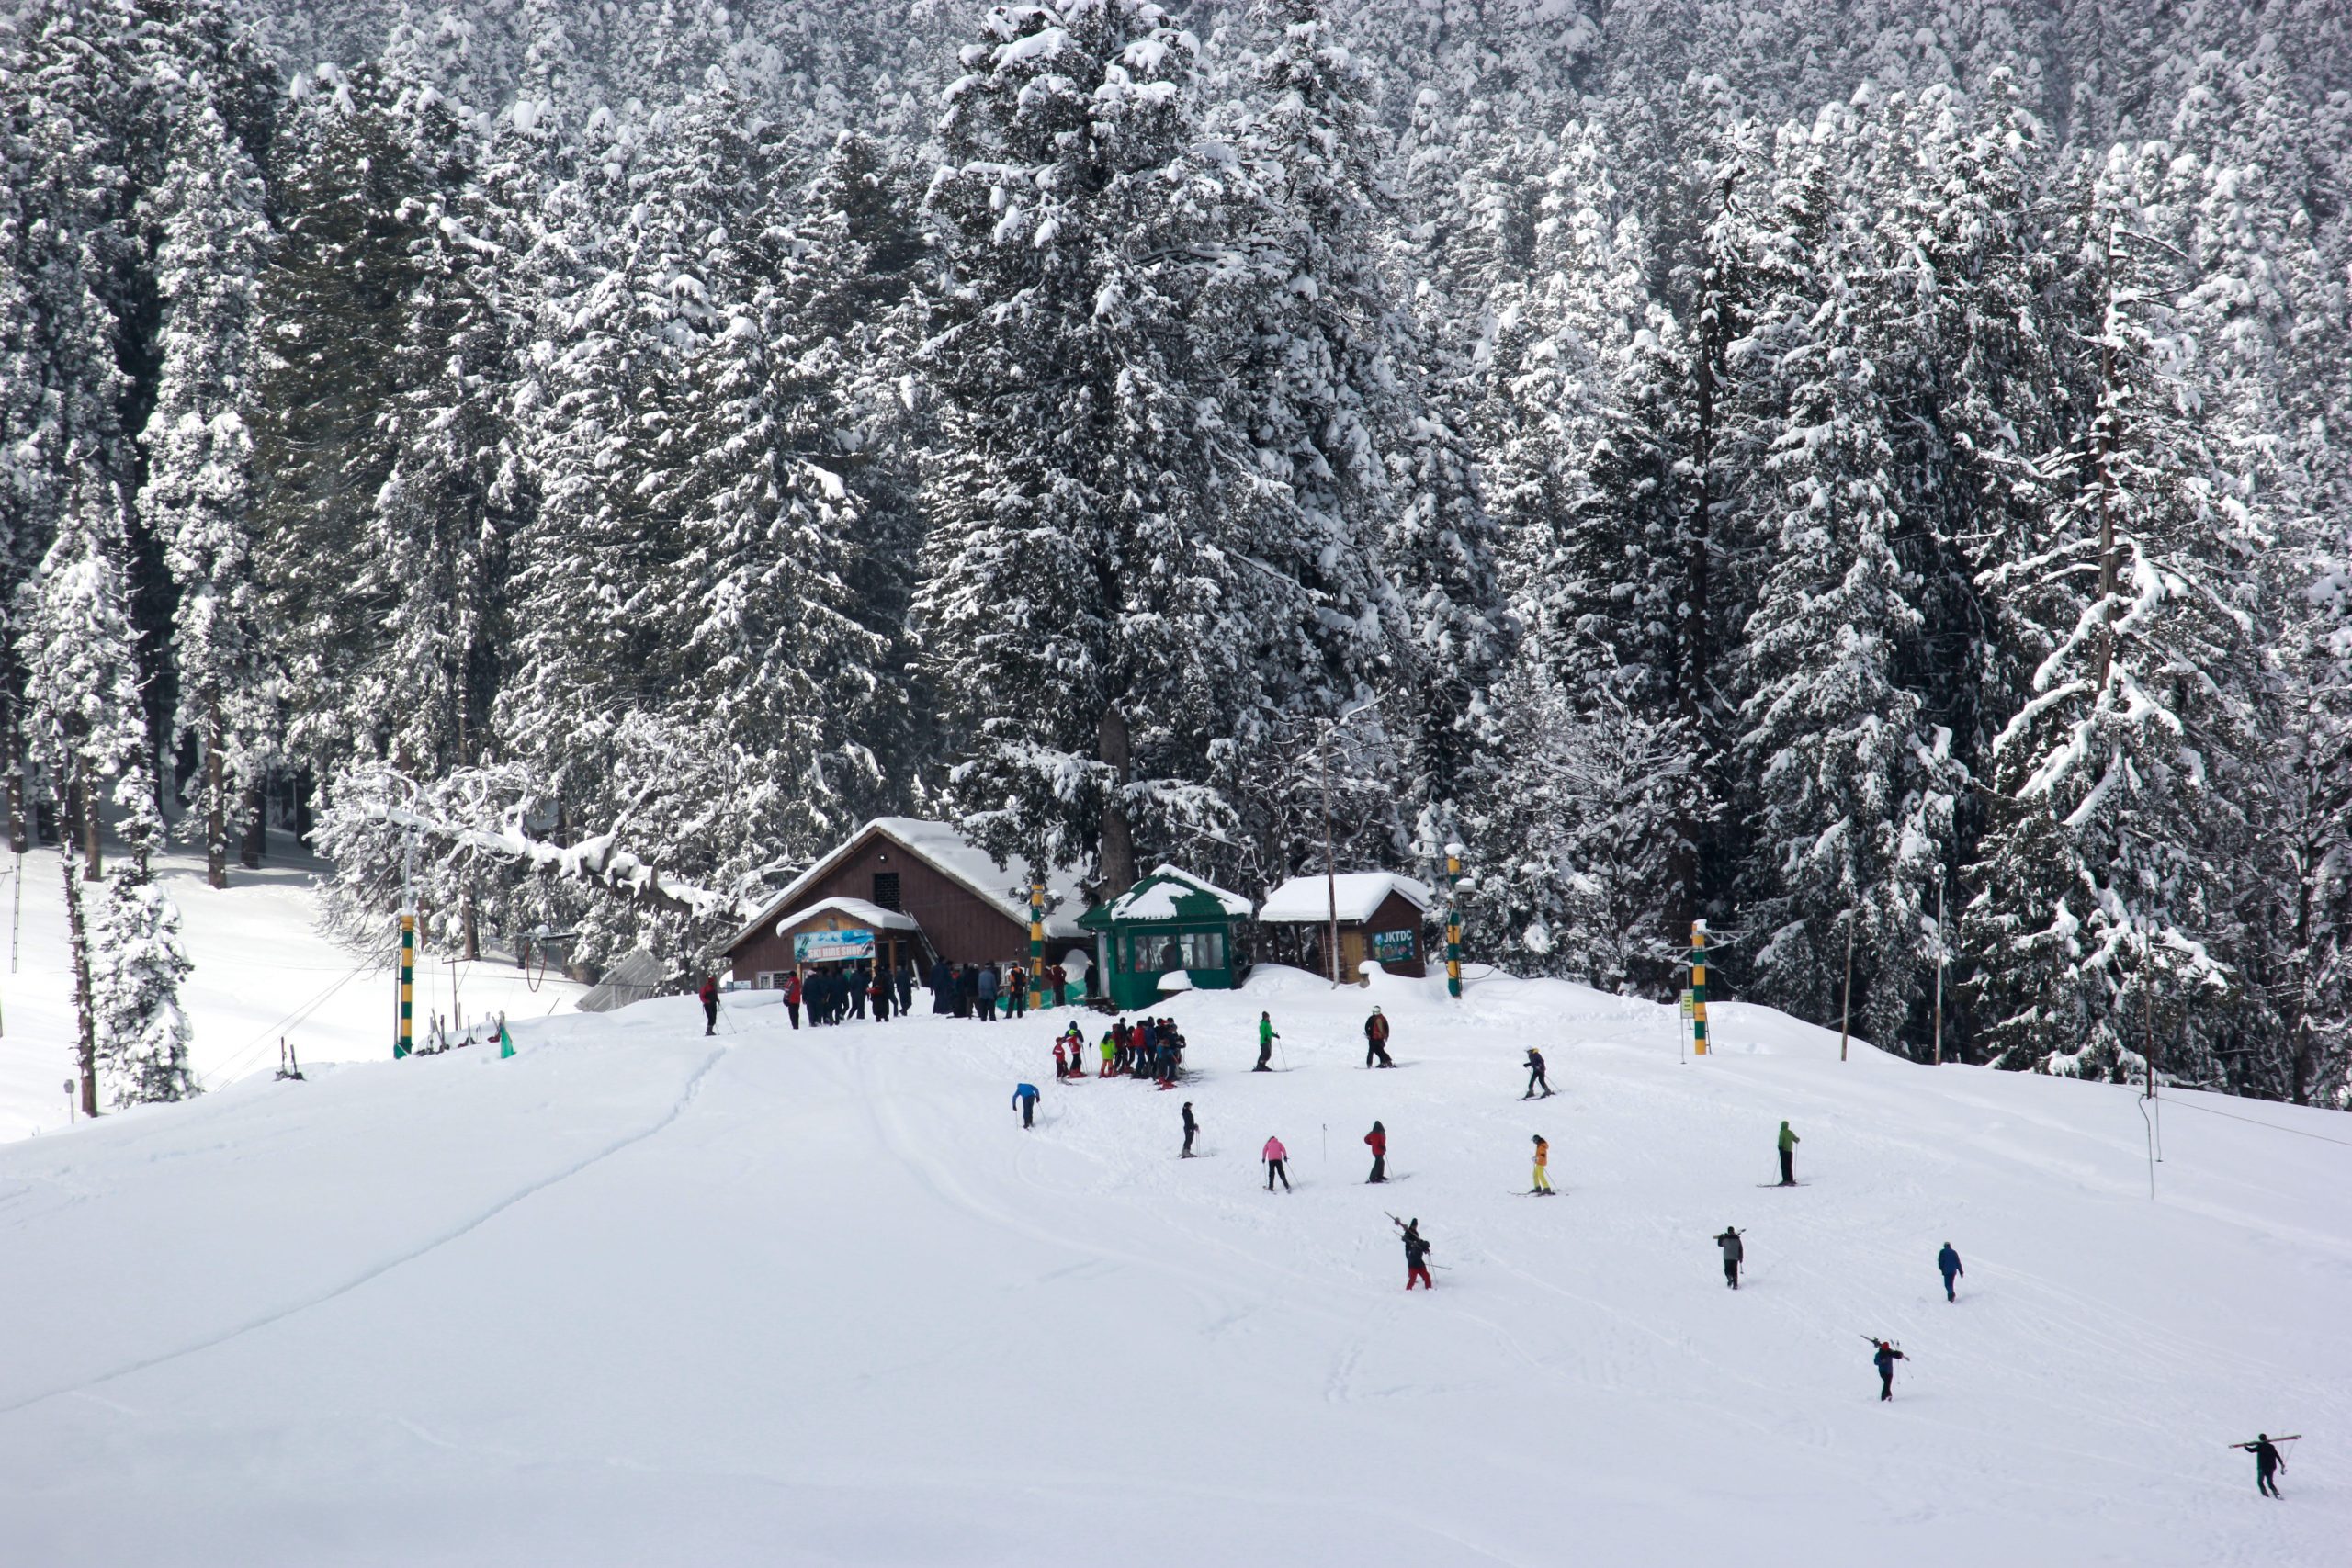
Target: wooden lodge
904 887
1383 918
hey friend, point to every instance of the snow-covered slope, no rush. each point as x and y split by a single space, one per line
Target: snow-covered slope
636 1296
262 970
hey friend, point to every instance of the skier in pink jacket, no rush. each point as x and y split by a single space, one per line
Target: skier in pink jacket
1274 1155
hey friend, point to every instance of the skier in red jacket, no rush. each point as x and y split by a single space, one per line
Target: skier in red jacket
1378 1140
709 994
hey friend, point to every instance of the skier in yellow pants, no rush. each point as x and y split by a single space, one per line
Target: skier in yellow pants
1542 1157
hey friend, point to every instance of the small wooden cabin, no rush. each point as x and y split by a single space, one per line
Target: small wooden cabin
1381 916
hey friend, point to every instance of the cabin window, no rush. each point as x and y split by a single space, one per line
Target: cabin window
886 889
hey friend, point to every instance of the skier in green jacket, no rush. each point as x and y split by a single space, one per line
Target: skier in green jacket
1788 1142
1265 1043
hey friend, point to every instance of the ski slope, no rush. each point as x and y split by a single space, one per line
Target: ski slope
639 1297
262 971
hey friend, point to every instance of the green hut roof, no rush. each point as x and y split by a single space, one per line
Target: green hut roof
1167 896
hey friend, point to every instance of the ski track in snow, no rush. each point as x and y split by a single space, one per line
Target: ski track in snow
368 1276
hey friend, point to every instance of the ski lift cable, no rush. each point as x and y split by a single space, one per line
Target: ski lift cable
288 1021
2252 1122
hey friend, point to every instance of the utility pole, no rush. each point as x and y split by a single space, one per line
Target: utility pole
1037 940
1942 948
1846 1007
1699 987
403 1034
1330 868
1453 919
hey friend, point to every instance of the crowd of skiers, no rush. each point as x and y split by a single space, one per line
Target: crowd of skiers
1148 1048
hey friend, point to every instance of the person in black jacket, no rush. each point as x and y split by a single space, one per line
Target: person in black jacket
1948 1264
1535 1078
905 982
1884 1357
1417 1254
1191 1131
1734 1255
943 986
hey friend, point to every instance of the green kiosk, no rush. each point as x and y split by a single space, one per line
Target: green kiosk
1169 920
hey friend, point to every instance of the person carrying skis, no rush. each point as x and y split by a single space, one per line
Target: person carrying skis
1191 1131
1788 1142
1378 1140
791 989
1734 1255
1417 1253
1274 1155
1884 1358
709 994
1025 1096
1375 1040
1542 1157
1948 1264
1266 1038
2267 1462
1535 1078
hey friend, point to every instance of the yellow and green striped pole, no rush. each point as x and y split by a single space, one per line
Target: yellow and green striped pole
402 1041
1037 943
1698 987
1453 920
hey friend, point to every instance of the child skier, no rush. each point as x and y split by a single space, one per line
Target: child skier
1884 1358
1535 1078
1061 1062
1417 1253
1543 1187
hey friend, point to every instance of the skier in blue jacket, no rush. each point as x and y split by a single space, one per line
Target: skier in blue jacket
1948 1262
1025 1096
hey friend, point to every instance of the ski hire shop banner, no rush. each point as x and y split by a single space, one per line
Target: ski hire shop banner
832 947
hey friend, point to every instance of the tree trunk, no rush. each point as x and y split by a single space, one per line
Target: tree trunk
302 789
216 806
83 1003
1118 856
256 835
474 930
86 811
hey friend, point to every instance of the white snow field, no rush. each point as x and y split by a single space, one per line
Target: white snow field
639 1297
262 970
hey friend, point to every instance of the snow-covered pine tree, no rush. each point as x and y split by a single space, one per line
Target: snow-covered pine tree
1104 614
1852 790
197 499
137 964
83 687
1576 809
442 524
333 309
2103 918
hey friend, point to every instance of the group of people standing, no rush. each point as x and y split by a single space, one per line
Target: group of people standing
985 991
835 993
1149 1047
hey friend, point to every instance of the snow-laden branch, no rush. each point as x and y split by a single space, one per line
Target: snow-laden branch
596 861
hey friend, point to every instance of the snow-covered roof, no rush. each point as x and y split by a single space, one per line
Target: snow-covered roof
955 857
857 909
1308 900
1161 895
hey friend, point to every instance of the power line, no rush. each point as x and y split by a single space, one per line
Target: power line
2254 1122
